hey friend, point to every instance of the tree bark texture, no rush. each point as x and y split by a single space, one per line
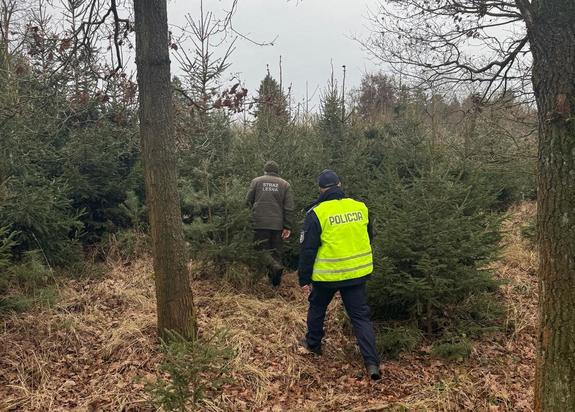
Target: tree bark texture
175 307
551 30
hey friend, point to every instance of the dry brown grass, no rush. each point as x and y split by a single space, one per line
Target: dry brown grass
518 267
87 351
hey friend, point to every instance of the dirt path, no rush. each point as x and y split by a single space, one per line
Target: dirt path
87 351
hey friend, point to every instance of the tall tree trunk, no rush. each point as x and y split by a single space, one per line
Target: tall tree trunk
551 31
175 306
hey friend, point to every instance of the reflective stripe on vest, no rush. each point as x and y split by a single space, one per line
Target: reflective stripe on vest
345 251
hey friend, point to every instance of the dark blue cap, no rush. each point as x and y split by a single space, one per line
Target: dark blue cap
328 178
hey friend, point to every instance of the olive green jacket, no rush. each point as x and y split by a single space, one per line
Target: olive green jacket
271 199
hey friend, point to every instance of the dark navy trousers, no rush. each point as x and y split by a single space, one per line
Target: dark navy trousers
355 302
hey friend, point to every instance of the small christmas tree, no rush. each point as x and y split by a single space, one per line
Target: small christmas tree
435 241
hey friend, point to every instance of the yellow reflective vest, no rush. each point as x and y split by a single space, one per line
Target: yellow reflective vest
345 250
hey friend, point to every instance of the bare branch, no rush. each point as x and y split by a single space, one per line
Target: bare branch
450 42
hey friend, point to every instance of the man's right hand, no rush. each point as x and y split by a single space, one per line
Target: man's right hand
286 234
307 289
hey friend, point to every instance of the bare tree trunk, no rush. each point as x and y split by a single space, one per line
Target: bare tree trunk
552 38
175 306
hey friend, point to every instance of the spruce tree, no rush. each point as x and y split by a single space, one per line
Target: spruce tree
331 124
272 116
435 237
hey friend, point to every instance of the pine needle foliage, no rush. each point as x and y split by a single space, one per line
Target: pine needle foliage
436 238
190 370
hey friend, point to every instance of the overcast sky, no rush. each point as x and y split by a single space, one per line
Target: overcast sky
310 35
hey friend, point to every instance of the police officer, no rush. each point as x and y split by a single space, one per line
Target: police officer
271 199
335 255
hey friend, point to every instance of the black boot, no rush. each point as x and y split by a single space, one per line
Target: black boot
276 276
373 372
303 343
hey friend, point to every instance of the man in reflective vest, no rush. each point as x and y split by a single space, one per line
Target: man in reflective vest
335 255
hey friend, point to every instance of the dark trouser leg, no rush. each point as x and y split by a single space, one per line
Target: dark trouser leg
269 242
276 248
275 257
355 302
261 239
262 244
319 300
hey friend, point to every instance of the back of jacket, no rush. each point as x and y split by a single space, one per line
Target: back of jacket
271 200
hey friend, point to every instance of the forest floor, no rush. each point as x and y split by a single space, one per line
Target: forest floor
88 350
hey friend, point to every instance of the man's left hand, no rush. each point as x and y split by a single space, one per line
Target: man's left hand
286 234
307 289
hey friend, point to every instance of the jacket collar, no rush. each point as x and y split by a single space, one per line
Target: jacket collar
332 193
271 174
